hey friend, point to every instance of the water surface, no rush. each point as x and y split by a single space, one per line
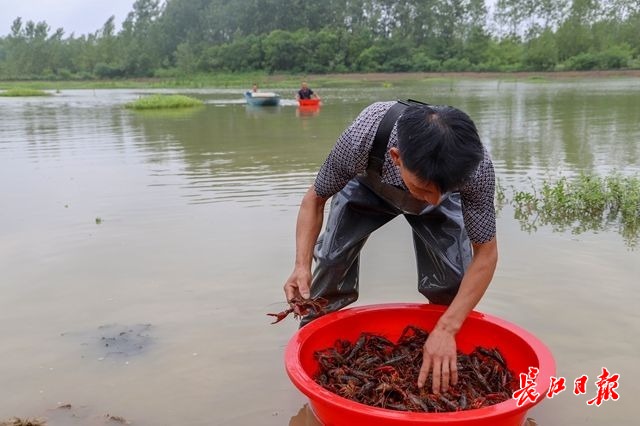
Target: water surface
179 226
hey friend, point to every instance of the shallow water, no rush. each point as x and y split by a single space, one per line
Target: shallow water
181 225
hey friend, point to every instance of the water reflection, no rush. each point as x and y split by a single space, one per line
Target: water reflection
584 203
169 114
308 111
227 157
254 111
561 127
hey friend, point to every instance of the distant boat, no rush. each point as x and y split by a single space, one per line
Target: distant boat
262 98
309 102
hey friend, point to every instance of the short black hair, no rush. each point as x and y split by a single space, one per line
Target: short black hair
439 144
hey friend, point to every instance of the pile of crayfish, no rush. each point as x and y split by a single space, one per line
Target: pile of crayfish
299 306
376 372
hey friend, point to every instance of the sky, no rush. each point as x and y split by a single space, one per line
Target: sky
74 16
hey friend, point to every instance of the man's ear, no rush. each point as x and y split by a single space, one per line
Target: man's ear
395 156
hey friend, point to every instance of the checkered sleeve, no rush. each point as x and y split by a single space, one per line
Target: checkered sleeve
350 154
478 208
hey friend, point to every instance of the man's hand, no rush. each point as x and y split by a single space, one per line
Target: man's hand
440 356
307 231
298 285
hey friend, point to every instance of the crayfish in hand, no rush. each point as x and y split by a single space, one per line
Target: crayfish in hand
299 306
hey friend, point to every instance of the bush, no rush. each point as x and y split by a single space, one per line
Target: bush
370 59
615 57
423 63
64 74
102 70
455 64
541 53
582 62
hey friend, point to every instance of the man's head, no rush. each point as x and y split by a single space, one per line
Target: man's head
438 150
304 85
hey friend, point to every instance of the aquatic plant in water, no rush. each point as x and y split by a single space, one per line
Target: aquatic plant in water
164 101
587 202
24 92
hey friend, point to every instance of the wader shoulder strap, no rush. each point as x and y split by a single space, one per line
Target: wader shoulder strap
381 140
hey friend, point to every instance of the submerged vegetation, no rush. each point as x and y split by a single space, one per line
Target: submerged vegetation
17 92
587 202
164 102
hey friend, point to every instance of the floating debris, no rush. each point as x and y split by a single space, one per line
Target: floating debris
114 340
17 421
117 419
123 340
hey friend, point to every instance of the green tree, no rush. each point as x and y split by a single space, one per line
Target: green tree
280 51
140 38
541 53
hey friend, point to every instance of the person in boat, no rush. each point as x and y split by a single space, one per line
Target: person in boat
428 165
254 89
305 92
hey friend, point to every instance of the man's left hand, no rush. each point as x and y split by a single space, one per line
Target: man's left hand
440 357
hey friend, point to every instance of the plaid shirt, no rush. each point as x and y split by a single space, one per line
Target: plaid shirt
350 155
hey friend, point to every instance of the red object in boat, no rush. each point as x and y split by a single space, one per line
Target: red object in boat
520 349
308 102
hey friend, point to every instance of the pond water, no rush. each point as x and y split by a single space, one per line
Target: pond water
140 252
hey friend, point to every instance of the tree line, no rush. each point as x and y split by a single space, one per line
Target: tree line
187 37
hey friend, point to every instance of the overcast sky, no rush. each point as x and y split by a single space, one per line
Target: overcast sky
75 16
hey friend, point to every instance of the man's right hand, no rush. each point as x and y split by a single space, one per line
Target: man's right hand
298 284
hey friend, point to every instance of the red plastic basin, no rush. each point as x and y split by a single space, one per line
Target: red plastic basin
520 349
309 102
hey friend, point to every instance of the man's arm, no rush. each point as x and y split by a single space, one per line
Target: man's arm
474 284
440 348
308 226
347 158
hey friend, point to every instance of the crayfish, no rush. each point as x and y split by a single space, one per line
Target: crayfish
299 306
374 371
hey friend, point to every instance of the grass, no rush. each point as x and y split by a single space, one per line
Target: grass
17 92
173 79
218 80
154 102
587 202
